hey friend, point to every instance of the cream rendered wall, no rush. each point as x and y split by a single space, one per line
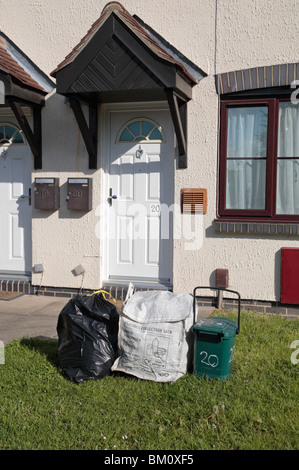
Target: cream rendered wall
217 36
64 239
248 34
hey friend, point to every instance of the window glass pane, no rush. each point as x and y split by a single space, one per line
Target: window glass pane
156 135
126 136
135 128
287 194
9 131
288 132
247 132
141 130
245 184
146 128
18 139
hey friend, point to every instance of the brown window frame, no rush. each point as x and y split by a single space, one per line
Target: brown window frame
253 215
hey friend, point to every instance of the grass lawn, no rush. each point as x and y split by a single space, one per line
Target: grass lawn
256 408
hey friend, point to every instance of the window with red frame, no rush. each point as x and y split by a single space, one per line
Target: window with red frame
259 159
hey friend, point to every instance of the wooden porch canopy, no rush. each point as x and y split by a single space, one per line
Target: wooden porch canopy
23 84
122 60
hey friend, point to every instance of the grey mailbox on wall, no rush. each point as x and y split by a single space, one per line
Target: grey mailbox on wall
79 194
46 193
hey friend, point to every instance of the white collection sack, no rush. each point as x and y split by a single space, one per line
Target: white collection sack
155 338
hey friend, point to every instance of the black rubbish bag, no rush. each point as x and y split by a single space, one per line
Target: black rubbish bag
87 331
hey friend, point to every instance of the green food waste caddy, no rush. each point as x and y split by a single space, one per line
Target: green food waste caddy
214 342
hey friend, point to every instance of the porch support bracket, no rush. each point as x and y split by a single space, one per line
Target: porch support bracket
34 138
88 130
178 111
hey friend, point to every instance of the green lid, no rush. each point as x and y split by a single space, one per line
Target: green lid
216 325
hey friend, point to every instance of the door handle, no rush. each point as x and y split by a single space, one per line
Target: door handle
111 197
25 196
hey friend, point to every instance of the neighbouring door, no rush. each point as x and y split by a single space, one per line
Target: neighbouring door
139 196
15 208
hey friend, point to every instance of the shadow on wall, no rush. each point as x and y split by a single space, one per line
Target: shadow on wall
63 147
63 152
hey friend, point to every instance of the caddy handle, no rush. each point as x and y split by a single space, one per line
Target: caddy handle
218 289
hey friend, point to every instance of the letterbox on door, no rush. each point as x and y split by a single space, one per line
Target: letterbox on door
46 193
79 194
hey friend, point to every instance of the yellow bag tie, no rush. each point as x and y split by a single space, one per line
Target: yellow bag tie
103 292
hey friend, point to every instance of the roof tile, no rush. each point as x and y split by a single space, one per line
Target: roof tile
9 65
118 9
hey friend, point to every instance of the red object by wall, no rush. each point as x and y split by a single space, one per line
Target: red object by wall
289 276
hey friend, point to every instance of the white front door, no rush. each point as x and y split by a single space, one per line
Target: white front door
139 196
15 211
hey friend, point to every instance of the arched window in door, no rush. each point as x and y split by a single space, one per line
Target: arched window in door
9 134
142 131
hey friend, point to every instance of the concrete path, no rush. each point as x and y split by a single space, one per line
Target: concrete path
30 316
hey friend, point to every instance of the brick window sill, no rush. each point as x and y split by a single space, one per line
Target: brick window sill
256 228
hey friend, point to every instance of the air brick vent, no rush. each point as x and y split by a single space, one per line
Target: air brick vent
194 201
